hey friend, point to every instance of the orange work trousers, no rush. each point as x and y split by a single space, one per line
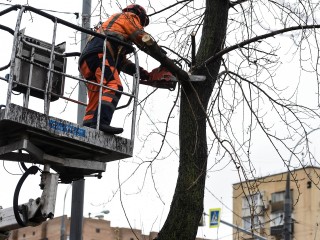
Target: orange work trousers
91 69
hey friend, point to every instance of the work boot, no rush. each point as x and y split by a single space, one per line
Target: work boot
106 128
111 130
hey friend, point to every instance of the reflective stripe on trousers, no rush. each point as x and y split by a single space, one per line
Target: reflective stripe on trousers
91 69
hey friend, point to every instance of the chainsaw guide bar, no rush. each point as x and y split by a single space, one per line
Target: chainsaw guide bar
160 77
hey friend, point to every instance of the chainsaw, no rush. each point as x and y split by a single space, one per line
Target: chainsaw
160 77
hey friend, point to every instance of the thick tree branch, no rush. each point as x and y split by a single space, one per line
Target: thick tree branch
152 49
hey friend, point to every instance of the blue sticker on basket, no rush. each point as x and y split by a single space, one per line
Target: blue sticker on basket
67 128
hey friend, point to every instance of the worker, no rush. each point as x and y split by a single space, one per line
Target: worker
127 26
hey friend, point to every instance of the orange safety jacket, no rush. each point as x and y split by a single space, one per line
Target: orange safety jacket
124 26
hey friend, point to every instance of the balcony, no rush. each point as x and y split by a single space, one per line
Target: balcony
279 230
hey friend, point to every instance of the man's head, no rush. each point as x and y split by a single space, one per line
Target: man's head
140 12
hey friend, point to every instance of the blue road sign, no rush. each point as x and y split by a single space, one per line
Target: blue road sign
214 217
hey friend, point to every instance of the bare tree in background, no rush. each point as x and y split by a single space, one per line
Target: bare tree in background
240 50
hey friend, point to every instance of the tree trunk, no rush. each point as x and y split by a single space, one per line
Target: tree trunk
187 204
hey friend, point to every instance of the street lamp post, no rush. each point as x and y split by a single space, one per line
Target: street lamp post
287 231
78 186
63 225
287 226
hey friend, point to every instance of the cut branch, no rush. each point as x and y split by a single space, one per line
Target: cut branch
155 51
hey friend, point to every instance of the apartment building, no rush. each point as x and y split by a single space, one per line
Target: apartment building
93 229
258 205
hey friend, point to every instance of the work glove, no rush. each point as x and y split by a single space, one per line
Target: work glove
144 74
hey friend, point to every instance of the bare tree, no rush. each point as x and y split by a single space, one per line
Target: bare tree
242 45
241 48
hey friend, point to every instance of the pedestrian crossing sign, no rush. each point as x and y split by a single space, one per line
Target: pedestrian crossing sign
214 217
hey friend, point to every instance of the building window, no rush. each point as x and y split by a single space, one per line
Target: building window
97 230
252 211
278 196
33 233
251 199
278 199
253 205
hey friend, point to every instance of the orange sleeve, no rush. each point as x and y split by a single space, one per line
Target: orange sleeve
127 24
133 28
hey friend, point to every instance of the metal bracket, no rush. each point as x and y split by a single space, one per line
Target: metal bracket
23 144
68 168
37 210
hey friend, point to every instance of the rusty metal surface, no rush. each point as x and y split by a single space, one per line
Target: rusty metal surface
61 138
